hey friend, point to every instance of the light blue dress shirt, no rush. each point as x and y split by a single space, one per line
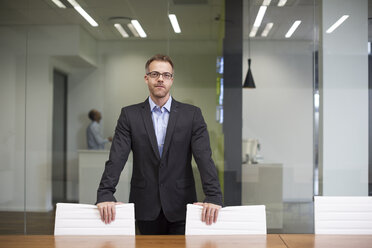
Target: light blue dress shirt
160 117
94 137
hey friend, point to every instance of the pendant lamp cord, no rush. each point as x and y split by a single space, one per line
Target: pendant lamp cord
249 28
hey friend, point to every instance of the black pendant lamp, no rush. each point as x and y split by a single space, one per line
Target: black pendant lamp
249 81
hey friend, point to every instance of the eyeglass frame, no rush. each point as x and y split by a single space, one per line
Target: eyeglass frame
162 74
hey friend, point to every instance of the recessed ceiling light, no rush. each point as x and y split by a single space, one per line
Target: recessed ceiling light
253 31
139 28
174 22
266 2
260 16
281 3
133 30
292 29
336 24
258 21
121 30
267 29
59 4
83 13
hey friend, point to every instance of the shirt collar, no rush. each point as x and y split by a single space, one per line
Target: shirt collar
167 105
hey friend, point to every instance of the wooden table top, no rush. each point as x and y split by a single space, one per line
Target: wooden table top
180 241
327 241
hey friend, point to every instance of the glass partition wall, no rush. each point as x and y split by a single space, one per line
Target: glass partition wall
277 168
56 67
303 114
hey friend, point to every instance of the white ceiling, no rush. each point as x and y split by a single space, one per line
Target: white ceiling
283 18
199 19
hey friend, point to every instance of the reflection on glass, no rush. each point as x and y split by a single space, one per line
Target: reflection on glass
218 241
43 139
94 241
279 114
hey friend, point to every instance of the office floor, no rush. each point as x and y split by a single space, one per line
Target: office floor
297 218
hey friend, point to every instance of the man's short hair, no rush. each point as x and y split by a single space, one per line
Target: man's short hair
92 114
158 57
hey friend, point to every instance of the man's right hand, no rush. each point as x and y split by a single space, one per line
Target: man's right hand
107 211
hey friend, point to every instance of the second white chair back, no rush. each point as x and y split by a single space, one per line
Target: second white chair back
231 220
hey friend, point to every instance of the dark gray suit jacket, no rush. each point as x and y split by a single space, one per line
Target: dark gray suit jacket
165 182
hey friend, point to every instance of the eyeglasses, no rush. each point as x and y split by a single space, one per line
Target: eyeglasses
156 74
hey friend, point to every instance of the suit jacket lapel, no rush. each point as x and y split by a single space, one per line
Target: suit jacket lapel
171 124
146 116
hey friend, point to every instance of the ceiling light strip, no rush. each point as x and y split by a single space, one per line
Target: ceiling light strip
267 29
174 22
336 24
253 32
293 29
258 21
133 30
139 29
121 30
266 2
260 16
281 3
83 13
59 4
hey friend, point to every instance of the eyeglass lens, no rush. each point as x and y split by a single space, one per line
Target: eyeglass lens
156 74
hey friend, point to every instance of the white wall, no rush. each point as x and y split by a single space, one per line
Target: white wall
345 98
12 121
28 91
279 111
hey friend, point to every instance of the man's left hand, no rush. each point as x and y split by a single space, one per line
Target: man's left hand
210 212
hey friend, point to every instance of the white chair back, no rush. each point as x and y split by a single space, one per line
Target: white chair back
231 220
84 219
343 215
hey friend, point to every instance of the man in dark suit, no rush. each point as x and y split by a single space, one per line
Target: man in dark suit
163 134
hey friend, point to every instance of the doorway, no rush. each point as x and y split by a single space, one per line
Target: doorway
59 143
